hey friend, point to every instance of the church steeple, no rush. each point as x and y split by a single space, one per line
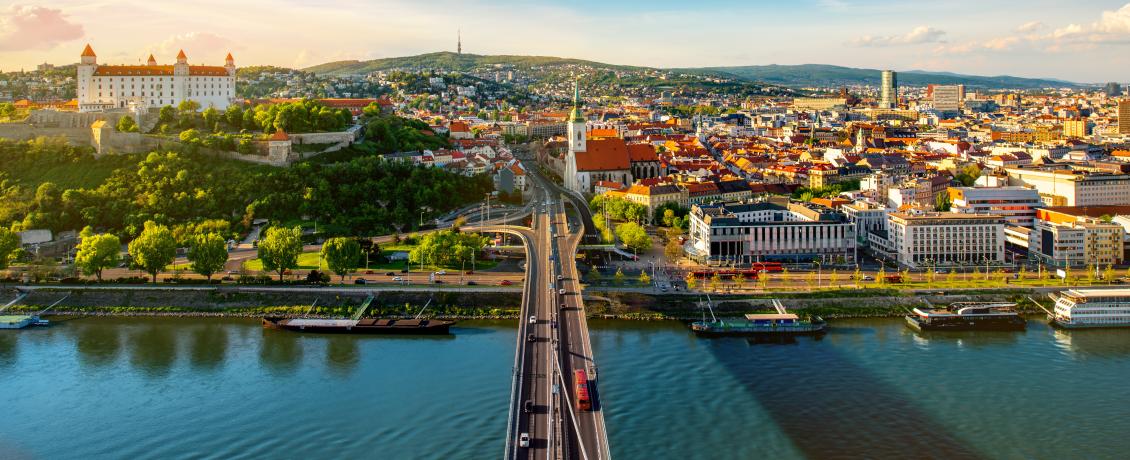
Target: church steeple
576 115
458 42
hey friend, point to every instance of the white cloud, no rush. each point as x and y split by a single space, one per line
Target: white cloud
1112 27
35 27
918 36
1030 26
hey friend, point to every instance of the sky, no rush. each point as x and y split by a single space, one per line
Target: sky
1080 40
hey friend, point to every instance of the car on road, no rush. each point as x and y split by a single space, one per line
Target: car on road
472 283
398 279
439 281
528 406
360 281
369 272
531 337
505 283
868 278
559 278
560 292
524 440
533 320
470 272
403 270
390 274
441 272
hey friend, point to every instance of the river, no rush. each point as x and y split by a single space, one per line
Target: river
226 388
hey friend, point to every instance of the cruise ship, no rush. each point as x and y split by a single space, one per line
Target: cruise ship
1091 308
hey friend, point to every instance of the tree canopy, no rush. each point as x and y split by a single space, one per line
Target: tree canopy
97 253
280 248
153 249
9 243
447 248
208 253
342 255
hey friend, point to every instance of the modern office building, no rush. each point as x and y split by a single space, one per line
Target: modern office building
1112 89
867 217
1124 117
1077 237
945 239
888 91
1016 204
1066 187
775 230
947 99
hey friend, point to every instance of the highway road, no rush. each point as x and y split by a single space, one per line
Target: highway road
553 344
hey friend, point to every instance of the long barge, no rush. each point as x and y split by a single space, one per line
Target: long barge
967 316
357 325
360 326
781 323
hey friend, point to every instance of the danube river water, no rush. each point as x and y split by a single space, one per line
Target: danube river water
226 388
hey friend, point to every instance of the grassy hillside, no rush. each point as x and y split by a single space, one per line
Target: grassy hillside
449 61
830 75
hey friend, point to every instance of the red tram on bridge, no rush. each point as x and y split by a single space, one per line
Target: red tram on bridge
582 393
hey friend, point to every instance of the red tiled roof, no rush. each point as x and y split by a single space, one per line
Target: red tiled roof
279 135
642 152
604 155
160 70
459 127
88 51
181 55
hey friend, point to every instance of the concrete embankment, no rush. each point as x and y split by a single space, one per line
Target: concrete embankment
342 301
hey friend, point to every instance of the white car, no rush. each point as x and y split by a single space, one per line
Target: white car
398 279
561 292
441 272
524 440
533 320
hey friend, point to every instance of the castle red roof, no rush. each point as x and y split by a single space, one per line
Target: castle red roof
88 51
279 135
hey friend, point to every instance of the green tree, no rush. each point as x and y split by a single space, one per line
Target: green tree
342 255
167 115
208 253
9 244
942 201
634 236
97 253
211 116
127 125
280 248
673 251
154 249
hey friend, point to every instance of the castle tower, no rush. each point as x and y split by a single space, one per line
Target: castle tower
459 42
88 57
181 58
229 63
88 63
151 61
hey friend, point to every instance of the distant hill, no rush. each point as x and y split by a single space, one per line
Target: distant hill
447 60
830 75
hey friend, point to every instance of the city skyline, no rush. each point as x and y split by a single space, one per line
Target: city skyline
1043 39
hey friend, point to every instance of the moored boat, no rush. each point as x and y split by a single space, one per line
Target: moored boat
779 323
967 316
1091 308
357 325
361 326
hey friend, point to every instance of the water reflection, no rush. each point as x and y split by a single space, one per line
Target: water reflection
831 407
342 355
8 349
972 339
208 346
1093 343
280 351
97 345
153 349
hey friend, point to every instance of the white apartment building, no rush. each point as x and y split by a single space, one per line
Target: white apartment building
867 217
770 231
1065 237
1065 187
945 239
1016 204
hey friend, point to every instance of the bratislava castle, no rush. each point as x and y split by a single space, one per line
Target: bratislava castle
102 87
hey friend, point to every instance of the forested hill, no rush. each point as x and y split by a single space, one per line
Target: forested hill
830 75
450 61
